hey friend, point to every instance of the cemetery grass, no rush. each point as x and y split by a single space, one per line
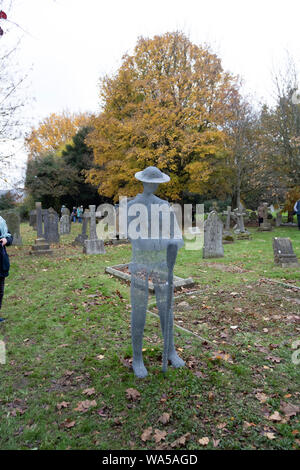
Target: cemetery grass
67 382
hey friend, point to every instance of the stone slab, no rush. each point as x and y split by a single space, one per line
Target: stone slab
115 271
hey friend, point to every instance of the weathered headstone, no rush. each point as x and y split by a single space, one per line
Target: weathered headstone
213 231
12 219
32 219
266 225
65 221
79 240
283 252
41 247
228 214
39 219
51 226
240 230
278 220
93 246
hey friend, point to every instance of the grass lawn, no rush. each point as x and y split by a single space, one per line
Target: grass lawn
67 382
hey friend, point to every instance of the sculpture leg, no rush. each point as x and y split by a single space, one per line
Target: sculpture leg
161 290
139 301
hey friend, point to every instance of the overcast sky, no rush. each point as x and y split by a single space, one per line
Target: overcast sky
70 44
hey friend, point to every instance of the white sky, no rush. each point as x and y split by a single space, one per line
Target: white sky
72 43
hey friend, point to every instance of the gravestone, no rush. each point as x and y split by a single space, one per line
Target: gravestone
266 225
65 221
93 246
239 229
228 214
80 239
41 247
213 231
278 220
32 219
51 226
283 252
12 219
227 235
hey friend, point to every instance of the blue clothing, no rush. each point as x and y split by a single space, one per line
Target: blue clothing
4 259
297 207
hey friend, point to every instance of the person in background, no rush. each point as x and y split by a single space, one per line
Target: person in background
297 210
5 240
80 213
73 214
260 213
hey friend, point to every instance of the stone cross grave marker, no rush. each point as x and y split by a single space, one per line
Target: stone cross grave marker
239 229
79 240
266 225
228 214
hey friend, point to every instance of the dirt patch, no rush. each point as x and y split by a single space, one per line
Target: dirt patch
226 268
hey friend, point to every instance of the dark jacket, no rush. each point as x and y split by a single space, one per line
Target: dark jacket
4 259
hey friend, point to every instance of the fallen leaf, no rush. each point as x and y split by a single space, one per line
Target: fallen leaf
181 440
103 412
262 397
275 417
270 435
289 409
159 435
133 394
164 418
221 425
85 405
68 424
146 434
100 357
89 391
216 442
63 404
204 441
274 359
247 425
222 356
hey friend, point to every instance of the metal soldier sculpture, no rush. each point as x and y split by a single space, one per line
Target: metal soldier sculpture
155 237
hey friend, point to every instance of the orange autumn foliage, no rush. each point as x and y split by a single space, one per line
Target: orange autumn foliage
54 132
166 106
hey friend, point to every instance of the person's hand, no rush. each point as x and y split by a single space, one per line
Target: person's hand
3 241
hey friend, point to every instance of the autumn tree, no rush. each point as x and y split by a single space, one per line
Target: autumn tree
166 106
241 129
278 168
54 132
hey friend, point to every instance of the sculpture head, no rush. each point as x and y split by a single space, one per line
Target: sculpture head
151 177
